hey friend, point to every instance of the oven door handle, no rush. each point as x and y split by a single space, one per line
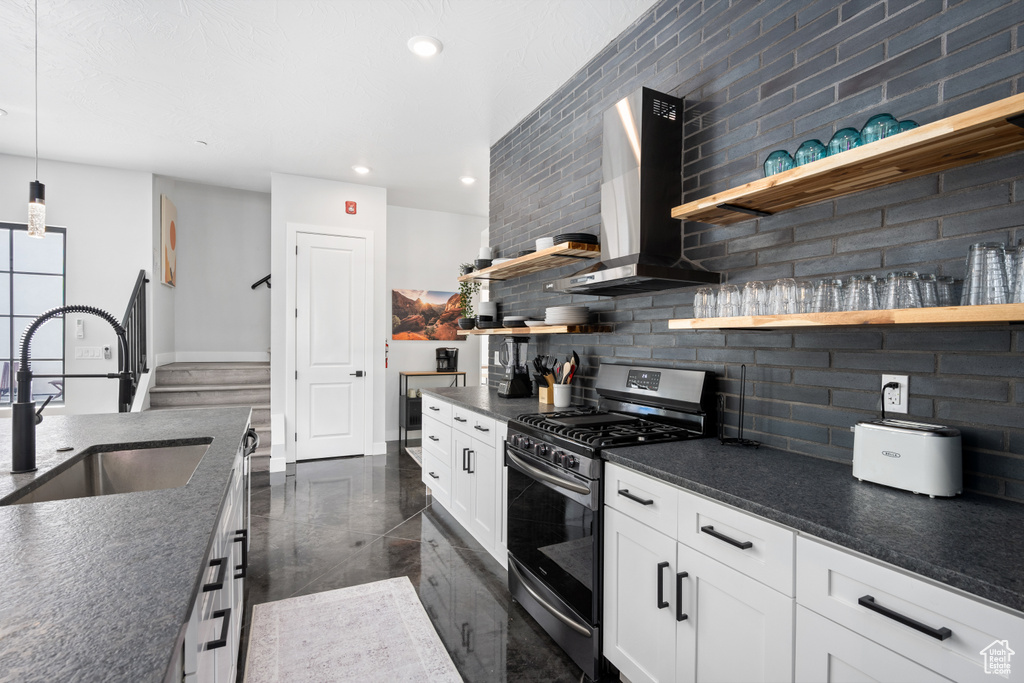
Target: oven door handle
568 621
540 474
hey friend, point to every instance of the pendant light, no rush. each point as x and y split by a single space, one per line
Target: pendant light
36 190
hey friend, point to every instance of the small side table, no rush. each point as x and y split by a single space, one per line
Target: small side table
410 410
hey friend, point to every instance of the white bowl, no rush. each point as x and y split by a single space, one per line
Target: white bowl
535 323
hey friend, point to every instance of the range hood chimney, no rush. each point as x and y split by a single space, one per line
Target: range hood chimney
641 163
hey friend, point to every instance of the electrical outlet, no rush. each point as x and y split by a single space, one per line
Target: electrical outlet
107 356
895 399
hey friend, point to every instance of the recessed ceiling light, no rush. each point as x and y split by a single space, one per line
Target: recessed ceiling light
425 46
361 170
467 180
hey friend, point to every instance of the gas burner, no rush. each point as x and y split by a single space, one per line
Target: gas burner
601 429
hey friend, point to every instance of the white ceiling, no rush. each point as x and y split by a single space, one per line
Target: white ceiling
309 87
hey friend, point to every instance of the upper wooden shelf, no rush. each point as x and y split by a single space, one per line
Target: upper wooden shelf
550 329
965 138
949 315
553 257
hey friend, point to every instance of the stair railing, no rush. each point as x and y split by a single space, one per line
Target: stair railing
134 324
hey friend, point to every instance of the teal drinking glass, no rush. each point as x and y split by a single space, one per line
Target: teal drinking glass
879 127
777 162
810 150
907 124
844 140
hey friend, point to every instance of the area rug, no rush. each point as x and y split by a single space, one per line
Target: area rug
416 453
374 632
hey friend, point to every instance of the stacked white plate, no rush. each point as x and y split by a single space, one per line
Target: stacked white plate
567 315
543 243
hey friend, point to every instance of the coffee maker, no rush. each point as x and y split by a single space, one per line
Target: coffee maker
447 359
516 381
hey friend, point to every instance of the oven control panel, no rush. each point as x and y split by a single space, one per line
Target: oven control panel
546 452
647 380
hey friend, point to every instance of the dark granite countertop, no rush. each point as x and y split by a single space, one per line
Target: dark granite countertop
486 401
971 542
98 589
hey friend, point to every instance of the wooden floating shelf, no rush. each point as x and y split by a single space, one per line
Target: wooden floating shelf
546 259
948 315
974 135
550 329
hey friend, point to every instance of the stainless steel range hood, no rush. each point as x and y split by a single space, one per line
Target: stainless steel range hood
641 244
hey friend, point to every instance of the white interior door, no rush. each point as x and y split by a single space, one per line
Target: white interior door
330 353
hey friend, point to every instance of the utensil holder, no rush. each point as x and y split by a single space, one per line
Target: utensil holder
562 395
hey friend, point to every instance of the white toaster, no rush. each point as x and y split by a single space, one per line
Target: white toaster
914 456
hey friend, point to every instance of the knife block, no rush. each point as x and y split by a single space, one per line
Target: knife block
546 395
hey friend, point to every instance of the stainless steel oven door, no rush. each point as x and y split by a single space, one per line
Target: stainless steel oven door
552 528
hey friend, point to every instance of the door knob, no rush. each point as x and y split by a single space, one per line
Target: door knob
357 373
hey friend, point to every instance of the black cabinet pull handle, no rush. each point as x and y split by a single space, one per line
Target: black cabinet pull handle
465 467
742 545
222 569
936 633
679 596
662 603
482 429
435 476
433 438
434 408
242 536
460 419
223 640
642 501
469 462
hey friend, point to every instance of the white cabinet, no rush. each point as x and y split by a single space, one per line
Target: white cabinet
673 613
210 653
464 468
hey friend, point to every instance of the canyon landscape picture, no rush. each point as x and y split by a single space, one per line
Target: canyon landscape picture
421 314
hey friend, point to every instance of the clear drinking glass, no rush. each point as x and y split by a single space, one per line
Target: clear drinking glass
901 290
860 294
828 296
986 281
927 286
728 304
777 162
755 298
1011 267
804 296
782 297
1017 294
945 291
704 303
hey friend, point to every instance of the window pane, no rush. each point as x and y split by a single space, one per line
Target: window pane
35 255
42 387
5 338
47 342
36 294
5 249
5 290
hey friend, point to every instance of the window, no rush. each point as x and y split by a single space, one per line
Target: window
32 273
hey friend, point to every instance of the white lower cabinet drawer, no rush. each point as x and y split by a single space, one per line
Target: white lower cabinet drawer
752 545
828 653
437 409
437 435
437 475
474 424
938 628
643 498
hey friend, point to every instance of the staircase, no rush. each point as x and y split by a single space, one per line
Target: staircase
195 385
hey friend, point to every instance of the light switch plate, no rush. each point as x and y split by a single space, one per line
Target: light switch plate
88 353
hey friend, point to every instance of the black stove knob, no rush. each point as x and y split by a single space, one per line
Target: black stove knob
571 462
541 450
516 439
558 457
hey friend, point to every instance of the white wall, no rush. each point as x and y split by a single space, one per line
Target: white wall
296 202
223 246
108 214
425 249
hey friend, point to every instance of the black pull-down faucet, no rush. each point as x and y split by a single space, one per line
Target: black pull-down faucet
25 417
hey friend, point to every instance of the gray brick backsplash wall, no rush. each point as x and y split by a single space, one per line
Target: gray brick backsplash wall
760 76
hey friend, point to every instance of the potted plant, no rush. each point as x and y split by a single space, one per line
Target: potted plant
467 288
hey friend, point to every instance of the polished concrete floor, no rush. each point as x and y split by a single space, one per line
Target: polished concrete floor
348 521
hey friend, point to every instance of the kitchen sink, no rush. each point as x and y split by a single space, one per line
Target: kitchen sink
107 470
